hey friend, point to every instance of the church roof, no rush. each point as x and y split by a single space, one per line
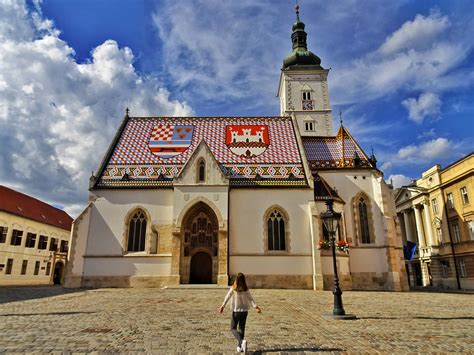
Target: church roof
339 151
251 151
22 205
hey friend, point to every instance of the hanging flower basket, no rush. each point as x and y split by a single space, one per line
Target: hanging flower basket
341 245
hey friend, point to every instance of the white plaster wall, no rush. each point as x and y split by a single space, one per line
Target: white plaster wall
368 260
109 212
342 265
77 248
128 266
347 187
246 219
271 265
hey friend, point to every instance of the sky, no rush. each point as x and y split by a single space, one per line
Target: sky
402 73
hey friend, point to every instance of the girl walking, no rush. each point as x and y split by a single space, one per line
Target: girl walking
241 300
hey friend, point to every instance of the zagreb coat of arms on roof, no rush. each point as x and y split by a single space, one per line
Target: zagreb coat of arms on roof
247 141
167 141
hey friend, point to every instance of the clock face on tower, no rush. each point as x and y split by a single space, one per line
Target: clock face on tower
308 105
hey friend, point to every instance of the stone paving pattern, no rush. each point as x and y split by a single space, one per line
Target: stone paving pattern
147 320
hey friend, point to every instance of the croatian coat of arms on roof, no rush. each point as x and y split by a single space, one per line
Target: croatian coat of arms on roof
167 141
247 141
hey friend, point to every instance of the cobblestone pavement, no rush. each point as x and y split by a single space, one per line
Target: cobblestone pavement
163 321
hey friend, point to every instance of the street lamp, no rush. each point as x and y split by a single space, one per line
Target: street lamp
331 219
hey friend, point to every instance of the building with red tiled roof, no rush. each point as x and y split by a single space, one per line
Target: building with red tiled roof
179 200
34 238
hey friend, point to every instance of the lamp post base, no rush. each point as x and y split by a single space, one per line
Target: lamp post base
330 315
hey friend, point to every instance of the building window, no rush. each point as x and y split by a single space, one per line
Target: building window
30 240
309 126
470 226
64 246
445 268
48 267
8 270
276 231
456 233
465 197
24 265
37 267
434 206
202 171
53 245
3 234
137 232
16 237
450 199
43 242
439 233
307 101
364 222
462 268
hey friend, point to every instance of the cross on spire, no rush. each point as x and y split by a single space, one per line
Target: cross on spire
340 116
297 9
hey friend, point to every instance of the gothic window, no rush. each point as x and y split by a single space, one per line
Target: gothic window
137 232
276 231
202 171
363 221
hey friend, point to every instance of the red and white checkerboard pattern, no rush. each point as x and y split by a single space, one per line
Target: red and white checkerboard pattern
132 147
162 133
281 158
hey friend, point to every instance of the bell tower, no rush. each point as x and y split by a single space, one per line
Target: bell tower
303 88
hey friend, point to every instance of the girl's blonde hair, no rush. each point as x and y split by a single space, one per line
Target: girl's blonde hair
239 284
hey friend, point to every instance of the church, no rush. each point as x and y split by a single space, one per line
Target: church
196 200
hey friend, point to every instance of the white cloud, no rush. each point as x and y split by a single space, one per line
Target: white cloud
399 180
424 153
428 104
57 116
415 34
216 64
420 55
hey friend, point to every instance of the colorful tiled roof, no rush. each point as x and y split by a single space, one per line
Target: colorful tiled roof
251 151
340 151
22 205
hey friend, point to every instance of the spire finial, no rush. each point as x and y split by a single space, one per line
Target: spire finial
297 9
127 111
340 117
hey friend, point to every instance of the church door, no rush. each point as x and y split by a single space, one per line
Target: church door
201 269
199 246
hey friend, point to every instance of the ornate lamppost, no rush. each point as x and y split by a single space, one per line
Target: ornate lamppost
331 219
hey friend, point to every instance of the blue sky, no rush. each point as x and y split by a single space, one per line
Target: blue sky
401 71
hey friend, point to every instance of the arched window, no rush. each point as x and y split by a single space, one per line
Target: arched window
137 232
202 171
363 221
276 231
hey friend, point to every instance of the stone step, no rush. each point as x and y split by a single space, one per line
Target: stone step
195 286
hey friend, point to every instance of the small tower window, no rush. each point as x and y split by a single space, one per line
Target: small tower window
309 126
307 102
202 171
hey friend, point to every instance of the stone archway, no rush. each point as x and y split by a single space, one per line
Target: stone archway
199 251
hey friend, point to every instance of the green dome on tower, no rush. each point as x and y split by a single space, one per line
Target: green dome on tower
300 56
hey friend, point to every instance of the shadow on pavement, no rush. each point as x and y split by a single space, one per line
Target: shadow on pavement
41 314
315 349
22 293
420 317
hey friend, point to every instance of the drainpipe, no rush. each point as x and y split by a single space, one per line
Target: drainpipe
451 242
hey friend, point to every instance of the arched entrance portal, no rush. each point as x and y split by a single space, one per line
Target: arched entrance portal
201 268
199 250
58 273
